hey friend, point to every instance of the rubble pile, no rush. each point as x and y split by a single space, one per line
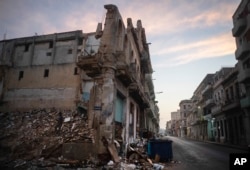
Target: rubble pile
31 135
29 140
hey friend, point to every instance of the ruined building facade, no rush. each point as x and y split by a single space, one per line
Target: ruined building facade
106 75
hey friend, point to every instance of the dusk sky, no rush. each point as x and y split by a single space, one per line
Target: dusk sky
189 38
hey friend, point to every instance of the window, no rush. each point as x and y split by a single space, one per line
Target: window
20 75
48 53
51 44
80 41
26 48
75 71
70 51
46 73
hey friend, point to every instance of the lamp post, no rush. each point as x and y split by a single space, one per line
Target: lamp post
159 92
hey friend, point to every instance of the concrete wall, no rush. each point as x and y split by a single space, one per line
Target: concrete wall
42 72
33 90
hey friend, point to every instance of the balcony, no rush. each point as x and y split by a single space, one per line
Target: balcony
90 64
207 88
242 51
239 26
216 109
231 104
209 103
244 75
245 102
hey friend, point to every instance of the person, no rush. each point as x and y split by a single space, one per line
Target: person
59 123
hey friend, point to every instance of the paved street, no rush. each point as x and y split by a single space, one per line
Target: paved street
200 155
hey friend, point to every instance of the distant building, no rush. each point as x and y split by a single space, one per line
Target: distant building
168 130
185 107
175 123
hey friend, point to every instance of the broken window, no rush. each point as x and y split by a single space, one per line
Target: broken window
46 73
51 44
20 75
26 48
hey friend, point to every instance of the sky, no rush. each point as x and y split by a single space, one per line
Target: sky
189 38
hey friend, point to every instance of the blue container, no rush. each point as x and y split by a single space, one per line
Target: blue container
163 148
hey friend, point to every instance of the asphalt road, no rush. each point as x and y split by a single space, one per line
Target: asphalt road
195 155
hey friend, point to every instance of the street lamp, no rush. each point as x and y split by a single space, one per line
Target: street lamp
159 92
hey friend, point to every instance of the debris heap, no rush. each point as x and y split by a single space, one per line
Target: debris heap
31 135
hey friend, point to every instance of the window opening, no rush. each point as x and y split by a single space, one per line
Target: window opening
80 41
26 47
20 75
76 71
51 44
70 51
46 73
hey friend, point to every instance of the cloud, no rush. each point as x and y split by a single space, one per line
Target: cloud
167 17
216 46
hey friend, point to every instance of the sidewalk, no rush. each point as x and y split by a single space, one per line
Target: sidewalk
244 148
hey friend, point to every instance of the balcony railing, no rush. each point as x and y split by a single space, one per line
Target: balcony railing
216 109
245 102
208 87
244 75
242 50
209 102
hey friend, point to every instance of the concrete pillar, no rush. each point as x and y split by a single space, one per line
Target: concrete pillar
105 96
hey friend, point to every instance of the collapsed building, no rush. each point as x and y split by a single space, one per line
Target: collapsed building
104 76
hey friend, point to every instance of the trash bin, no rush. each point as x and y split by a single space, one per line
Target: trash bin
163 148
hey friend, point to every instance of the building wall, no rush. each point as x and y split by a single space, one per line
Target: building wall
40 72
34 90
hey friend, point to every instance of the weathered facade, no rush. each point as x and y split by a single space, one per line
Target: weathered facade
40 72
185 107
215 112
175 123
106 75
241 32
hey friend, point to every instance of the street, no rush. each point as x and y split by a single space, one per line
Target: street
197 155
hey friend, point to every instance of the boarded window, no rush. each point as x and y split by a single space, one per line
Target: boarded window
46 73
20 75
